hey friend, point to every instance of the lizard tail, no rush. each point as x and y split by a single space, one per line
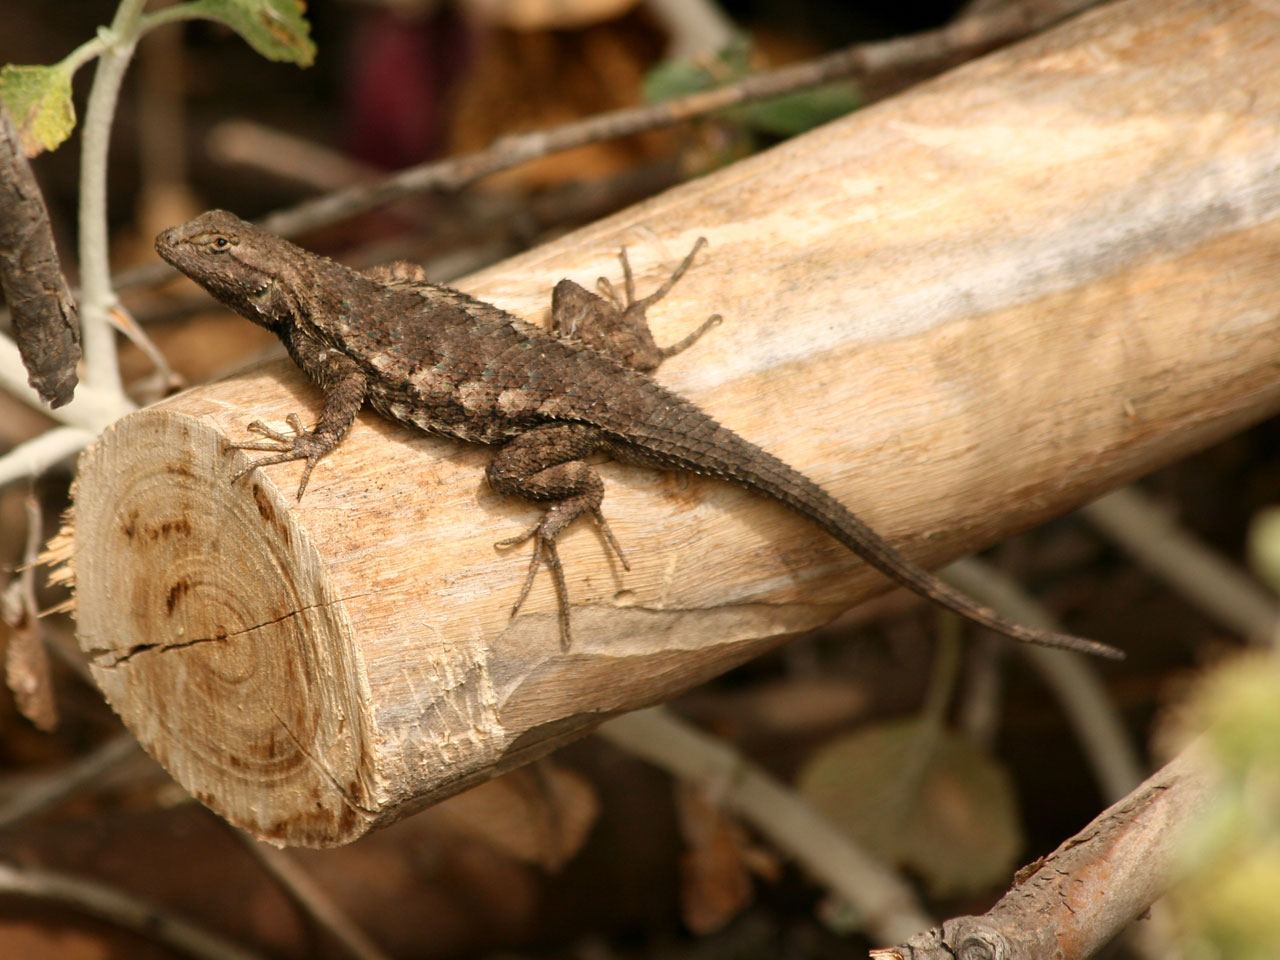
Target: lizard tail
761 471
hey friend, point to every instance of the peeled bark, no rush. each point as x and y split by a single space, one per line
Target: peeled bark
46 327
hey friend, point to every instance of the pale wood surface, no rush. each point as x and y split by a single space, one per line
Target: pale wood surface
964 310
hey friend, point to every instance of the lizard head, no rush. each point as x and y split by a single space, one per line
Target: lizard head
244 266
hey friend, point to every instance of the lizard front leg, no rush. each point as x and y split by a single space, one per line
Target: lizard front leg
545 465
344 386
618 327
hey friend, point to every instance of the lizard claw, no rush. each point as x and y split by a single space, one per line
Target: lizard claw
544 547
544 534
611 539
301 445
258 426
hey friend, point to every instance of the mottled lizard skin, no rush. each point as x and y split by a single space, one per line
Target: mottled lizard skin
431 357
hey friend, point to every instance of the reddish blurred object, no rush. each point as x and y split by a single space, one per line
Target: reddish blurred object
400 69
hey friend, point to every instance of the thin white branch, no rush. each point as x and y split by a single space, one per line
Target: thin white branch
884 900
1071 677
38 454
96 295
1206 578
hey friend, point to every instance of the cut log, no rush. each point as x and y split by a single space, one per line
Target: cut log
963 311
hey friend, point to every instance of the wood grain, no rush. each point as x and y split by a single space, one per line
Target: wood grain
965 310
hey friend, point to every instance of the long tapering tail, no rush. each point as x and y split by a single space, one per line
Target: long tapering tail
733 458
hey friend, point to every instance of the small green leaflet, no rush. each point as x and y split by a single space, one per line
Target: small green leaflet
781 116
277 29
677 78
39 100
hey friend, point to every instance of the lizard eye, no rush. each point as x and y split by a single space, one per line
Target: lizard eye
220 243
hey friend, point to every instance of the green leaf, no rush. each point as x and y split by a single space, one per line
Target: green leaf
921 798
678 78
795 113
783 116
277 29
1264 546
674 78
39 100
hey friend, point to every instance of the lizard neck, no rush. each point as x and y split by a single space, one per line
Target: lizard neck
307 294
345 309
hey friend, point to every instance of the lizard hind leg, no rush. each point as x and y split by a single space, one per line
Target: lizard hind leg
545 465
616 323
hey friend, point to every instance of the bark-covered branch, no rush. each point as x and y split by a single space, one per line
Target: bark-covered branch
1071 903
45 325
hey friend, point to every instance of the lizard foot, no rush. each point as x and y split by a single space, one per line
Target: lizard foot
301 445
544 534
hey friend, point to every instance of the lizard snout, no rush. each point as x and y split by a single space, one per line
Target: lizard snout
166 240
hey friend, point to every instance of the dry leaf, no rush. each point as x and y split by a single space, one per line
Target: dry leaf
927 800
715 884
26 661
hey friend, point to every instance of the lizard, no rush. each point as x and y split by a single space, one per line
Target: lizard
438 360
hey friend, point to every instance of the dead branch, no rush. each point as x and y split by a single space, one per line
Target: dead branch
45 325
1070 904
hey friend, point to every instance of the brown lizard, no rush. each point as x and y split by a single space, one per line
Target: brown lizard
431 357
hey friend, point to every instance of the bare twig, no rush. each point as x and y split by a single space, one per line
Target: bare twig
313 899
124 322
977 33
1206 578
286 155
1074 681
883 900
514 149
980 707
1071 903
121 909
1107 745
